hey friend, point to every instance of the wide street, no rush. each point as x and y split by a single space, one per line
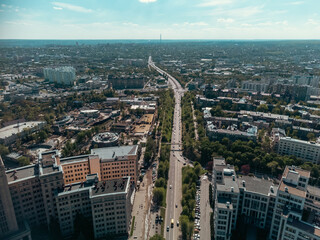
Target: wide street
174 190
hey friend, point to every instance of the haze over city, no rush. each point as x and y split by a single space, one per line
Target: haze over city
146 19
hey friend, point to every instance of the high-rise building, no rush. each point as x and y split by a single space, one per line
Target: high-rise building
109 163
99 186
106 204
126 82
9 227
288 211
60 75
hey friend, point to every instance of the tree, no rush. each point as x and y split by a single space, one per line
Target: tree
262 108
23 161
157 237
211 196
273 166
161 182
158 195
311 137
3 150
245 169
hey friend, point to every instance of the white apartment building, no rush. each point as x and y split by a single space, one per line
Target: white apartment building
288 211
60 75
254 86
307 151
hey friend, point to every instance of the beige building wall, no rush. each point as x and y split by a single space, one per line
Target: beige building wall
75 171
94 166
119 168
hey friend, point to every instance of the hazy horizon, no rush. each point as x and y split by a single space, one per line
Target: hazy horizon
147 19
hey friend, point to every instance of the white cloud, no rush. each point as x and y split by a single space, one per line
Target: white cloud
19 22
296 3
6 6
57 8
130 24
147 1
243 12
213 3
190 24
71 7
225 20
198 24
312 22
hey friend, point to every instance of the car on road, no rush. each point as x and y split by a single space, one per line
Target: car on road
168 228
170 186
177 223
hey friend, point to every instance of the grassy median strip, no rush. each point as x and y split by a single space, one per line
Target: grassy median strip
132 225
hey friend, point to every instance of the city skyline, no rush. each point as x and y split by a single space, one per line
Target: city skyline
147 19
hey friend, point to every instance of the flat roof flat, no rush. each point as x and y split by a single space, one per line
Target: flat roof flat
16 128
303 226
69 160
112 152
222 203
227 184
257 185
17 174
112 186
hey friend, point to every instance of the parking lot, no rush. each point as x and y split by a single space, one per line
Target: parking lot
202 211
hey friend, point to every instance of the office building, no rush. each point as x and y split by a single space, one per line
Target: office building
109 163
59 189
107 204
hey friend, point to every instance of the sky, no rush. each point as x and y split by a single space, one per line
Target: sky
147 19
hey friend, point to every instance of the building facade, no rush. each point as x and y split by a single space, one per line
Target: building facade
288 211
59 189
307 151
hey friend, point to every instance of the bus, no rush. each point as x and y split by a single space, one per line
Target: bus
172 223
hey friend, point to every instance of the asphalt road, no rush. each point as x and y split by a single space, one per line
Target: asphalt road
174 190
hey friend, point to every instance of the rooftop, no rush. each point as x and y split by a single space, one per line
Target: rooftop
257 185
16 128
303 226
112 152
313 190
229 181
112 186
97 188
293 188
21 173
224 203
300 141
74 159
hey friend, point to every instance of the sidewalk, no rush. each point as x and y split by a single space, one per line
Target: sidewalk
141 207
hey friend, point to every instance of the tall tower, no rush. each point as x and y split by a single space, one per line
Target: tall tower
160 37
8 223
